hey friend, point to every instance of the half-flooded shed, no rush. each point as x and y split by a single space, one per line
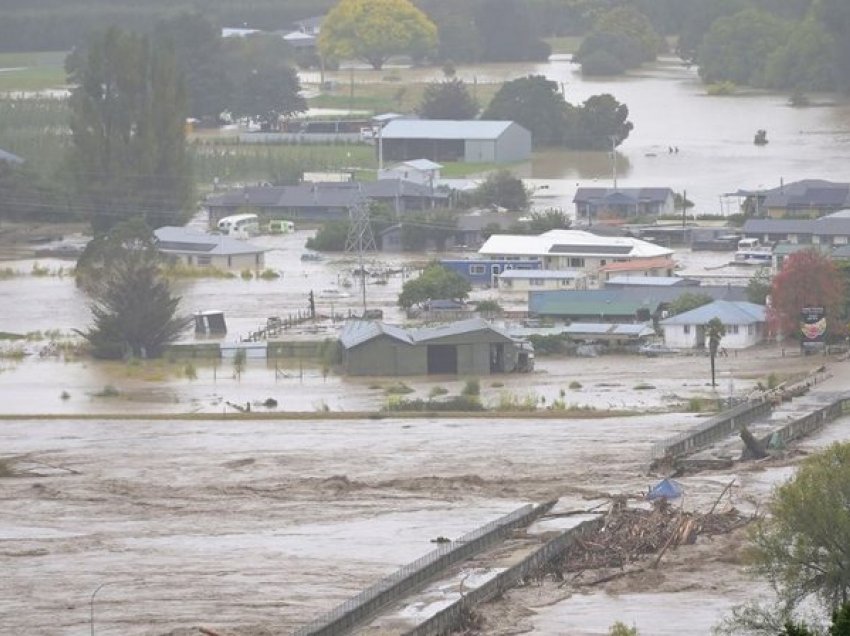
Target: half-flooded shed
467 347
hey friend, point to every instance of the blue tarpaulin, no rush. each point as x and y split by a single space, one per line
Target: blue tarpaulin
666 489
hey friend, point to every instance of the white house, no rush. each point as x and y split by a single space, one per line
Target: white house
198 249
582 252
744 322
522 281
421 171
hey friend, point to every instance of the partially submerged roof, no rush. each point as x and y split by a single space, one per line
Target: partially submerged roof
729 313
322 194
181 240
808 193
422 164
658 261
356 332
619 196
577 242
445 129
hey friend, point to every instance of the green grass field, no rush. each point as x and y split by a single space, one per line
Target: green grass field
32 71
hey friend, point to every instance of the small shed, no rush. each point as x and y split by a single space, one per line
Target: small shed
467 347
421 171
744 322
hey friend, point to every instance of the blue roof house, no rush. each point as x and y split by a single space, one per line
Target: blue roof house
744 322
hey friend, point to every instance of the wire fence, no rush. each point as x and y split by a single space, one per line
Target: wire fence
340 619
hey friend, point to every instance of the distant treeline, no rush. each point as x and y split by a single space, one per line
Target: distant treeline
43 25
59 25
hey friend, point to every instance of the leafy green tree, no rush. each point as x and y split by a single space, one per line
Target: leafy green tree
805 62
26 195
600 121
459 39
128 153
758 287
545 220
834 15
688 301
621 629
737 48
134 313
449 99
502 189
507 34
435 282
197 46
715 330
266 85
534 103
699 17
330 237
801 547
807 279
375 30
623 35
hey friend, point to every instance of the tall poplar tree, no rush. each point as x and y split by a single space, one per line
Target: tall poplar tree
128 148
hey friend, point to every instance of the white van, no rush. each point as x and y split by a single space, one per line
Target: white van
241 226
280 226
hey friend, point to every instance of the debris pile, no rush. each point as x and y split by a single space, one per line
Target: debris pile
629 535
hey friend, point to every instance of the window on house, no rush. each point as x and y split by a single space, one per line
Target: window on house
732 329
477 270
687 329
204 260
839 240
751 329
576 262
535 282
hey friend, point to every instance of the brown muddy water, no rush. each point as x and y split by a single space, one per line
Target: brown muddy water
670 108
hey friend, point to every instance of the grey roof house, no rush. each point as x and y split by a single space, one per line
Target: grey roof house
472 141
323 201
745 325
806 198
9 157
829 230
468 347
198 249
600 203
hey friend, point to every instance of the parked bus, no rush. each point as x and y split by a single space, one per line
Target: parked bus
241 226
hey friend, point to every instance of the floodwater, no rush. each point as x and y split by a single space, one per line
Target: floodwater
670 108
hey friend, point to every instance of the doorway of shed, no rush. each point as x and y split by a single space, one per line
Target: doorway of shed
442 359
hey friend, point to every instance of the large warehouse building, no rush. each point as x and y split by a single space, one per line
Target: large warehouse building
473 141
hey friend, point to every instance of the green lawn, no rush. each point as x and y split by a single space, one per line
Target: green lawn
565 44
32 71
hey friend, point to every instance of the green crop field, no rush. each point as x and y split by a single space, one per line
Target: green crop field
31 71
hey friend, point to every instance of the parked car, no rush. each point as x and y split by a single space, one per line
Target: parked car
654 349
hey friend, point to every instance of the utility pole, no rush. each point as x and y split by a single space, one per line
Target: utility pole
360 239
614 158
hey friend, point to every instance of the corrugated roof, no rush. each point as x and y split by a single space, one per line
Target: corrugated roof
559 302
356 332
729 313
830 225
181 240
808 193
621 195
521 245
660 261
514 274
445 129
647 281
422 164
322 194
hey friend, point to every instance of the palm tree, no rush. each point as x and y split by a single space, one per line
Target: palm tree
714 333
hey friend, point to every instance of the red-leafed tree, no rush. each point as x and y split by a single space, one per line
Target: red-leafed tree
807 279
